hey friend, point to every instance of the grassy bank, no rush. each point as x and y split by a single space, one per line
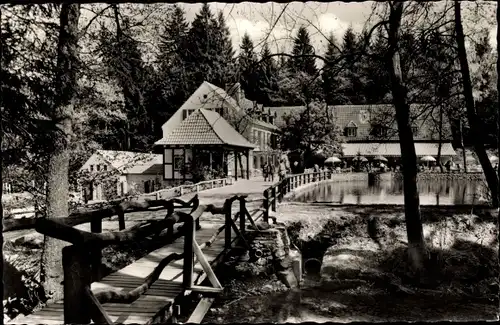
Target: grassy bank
367 277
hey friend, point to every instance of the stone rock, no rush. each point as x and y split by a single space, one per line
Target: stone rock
288 278
348 261
267 288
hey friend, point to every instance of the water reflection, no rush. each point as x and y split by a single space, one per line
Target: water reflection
432 192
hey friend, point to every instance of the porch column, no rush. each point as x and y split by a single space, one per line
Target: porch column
235 165
248 164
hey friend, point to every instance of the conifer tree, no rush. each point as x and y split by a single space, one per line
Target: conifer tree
301 48
247 59
331 81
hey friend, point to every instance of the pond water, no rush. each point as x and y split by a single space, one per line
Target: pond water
432 192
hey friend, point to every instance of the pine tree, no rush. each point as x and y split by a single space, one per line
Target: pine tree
247 60
170 89
331 81
350 74
174 34
226 63
208 50
200 48
377 83
301 48
123 60
267 76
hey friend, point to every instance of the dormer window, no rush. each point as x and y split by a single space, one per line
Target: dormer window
351 131
379 131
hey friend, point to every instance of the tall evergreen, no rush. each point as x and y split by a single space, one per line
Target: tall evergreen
208 52
351 74
268 76
377 83
200 48
170 89
249 77
124 62
331 70
226 69
301 48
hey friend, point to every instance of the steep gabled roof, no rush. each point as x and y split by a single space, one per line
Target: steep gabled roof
205 127
367 116
127 162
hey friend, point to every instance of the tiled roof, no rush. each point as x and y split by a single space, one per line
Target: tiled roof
205 127
394 149
153 167
364 116
124 159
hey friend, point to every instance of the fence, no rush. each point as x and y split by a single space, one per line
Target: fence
157 195
276 192
82 260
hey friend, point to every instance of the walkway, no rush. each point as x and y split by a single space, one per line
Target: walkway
156 304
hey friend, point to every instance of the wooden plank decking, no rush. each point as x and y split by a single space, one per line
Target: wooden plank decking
158 299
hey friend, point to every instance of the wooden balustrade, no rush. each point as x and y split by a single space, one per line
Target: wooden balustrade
276 192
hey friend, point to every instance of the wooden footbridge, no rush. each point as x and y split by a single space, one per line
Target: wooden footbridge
150 290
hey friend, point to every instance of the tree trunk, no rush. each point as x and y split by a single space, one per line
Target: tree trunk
474 122
498 103
464 154
416 246
57 178
440 143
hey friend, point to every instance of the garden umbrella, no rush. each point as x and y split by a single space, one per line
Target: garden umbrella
427 158
360 158
332 160
380 158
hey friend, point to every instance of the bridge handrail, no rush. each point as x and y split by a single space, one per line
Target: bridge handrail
276 192
83 257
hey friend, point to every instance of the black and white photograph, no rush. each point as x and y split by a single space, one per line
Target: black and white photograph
249 162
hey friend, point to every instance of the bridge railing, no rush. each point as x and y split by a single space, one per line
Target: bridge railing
276 192
82 260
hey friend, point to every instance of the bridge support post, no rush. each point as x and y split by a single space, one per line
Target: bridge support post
266 206
243 216
96 254
188 253
77 277
273 195
227 229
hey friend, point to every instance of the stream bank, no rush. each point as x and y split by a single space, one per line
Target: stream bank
364 274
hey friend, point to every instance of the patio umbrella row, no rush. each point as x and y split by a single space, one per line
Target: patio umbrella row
383 159
360 158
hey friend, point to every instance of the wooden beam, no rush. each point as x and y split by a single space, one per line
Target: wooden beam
201 310
206 265
205 289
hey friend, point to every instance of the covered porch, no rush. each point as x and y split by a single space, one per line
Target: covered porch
392 151
205 143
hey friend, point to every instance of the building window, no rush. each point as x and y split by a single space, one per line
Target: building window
351 131
255 136
379 131
178 160
91 168
186 113
98 167
414 130
105 167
